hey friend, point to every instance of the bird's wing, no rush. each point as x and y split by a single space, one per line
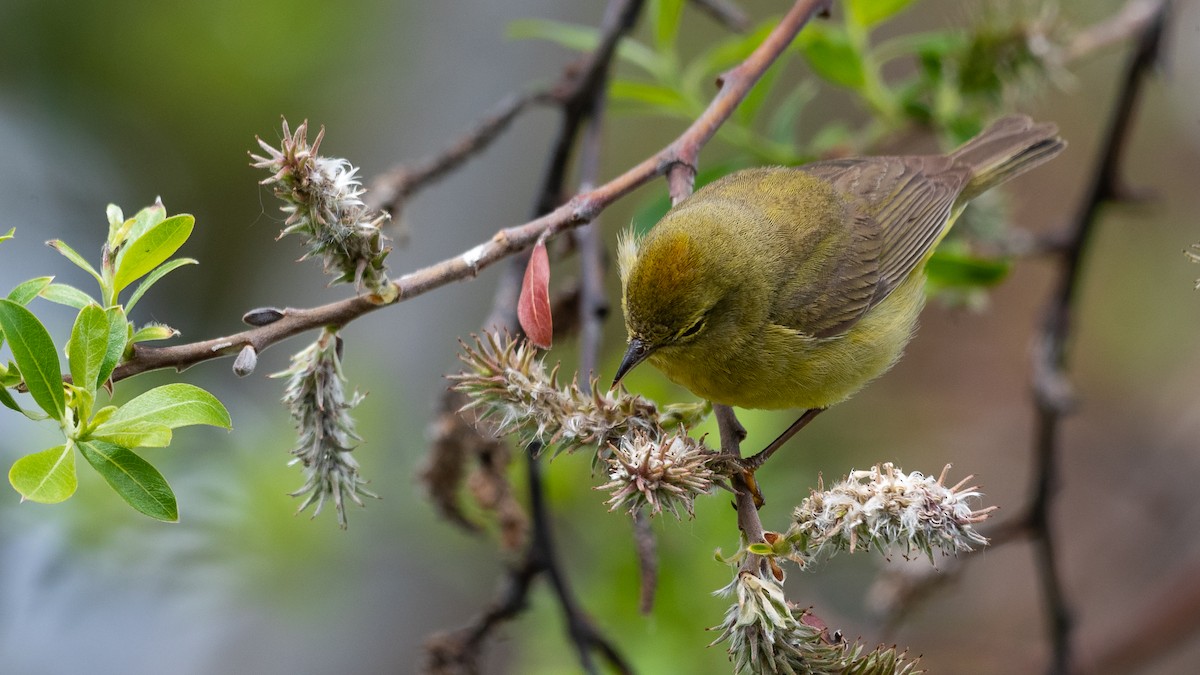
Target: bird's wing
899 209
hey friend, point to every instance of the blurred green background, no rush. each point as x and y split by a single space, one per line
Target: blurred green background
124 101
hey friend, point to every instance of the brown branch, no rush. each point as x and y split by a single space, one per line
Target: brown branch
1134 18
581 96
1051 387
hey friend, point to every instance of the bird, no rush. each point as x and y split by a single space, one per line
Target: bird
793 287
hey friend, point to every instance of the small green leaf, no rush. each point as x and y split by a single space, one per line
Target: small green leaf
88 347
144 220
666 23
28 290
158 273
70 254
867 13
118 336
760 548
8 401
142 255
70 296
661 98
102 415
8 235
115 220
782 126
949 269
831 55
175 405
136 434
47 477
133 478
35 355
154 331
141 422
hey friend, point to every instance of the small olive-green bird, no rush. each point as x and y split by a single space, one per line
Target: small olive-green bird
795 287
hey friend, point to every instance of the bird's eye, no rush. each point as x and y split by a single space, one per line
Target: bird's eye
693 329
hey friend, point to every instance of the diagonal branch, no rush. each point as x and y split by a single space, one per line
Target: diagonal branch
1052 390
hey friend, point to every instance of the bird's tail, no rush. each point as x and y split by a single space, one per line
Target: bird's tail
1005 150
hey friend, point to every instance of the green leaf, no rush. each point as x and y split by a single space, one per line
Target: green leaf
154 331
133 478
8 401
115 220
175 405
148 251
35 355
158 273
47 477
88 347
831 55
136 434
28 290
118 337
867 13
70 296
141 422
70 254
950 269
760 548
666 18
144 220
656 96
782 126
8 235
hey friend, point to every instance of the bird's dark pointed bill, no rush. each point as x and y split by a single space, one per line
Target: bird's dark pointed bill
637 352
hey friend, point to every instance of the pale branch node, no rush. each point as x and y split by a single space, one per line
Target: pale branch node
768 634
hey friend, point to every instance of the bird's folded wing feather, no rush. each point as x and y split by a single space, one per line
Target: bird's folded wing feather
899 208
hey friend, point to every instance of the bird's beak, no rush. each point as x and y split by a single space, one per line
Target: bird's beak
637 352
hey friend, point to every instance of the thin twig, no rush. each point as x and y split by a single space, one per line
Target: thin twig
581 92
1132 19
725 12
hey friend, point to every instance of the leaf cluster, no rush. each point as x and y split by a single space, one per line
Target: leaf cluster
138 248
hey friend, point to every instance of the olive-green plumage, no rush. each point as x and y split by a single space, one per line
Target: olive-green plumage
794 287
